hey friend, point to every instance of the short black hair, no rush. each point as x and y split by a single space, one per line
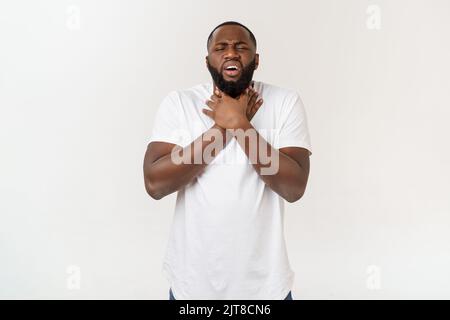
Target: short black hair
252 37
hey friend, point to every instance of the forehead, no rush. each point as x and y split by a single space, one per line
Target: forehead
230 33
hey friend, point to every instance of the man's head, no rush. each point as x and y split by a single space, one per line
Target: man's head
230 45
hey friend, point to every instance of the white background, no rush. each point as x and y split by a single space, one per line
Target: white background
80 82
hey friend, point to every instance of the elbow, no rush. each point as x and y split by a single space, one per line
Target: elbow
292 199
294 195
153 191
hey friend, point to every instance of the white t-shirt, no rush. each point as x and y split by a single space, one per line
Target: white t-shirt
227 235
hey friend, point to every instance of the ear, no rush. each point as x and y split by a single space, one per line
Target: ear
256 60
206 62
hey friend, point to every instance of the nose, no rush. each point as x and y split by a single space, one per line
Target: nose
231 53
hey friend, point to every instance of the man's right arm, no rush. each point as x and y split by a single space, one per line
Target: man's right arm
162 176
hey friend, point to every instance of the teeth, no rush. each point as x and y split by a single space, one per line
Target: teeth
232 68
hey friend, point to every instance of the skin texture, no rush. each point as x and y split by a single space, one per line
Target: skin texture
163 177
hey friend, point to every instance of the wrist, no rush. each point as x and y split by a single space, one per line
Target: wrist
216 126
243 123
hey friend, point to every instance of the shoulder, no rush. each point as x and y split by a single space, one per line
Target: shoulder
193 92
285 98
281 93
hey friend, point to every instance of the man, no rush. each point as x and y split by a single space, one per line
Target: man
227 239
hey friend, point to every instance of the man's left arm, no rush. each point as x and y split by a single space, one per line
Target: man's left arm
284 170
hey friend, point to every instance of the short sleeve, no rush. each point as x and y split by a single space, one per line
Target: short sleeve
167 126
293 128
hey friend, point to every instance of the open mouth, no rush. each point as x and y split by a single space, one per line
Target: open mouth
232 70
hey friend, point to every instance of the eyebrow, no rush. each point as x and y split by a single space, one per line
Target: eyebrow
226 43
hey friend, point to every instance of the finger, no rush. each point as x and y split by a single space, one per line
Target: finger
258 104
217 91
210 104
253 98
256 107
214 98
249 111
249 88
250 102
209 113
248 92
253 110
255 94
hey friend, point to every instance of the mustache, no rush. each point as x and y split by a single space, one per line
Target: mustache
233 88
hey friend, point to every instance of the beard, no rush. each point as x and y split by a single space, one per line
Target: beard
233 88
